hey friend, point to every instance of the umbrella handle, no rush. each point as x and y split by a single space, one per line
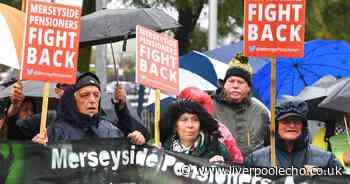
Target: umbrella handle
116 70
125 41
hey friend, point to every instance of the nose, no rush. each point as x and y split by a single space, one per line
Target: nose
235 84
189 123
293 123
92 98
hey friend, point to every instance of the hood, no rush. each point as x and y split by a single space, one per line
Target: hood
68 111
196 95
291 106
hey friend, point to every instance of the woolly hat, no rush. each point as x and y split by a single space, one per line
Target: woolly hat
87 79
240 67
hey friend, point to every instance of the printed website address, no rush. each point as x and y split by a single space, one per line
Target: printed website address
272 171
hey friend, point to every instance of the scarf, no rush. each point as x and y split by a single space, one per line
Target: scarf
177 146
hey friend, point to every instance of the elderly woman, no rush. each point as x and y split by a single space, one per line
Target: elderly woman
196 95
188 128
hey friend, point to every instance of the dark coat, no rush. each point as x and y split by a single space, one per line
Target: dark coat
72 125
302 154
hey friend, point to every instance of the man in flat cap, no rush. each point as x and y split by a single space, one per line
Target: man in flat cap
80 115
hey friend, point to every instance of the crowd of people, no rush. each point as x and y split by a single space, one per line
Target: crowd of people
228 126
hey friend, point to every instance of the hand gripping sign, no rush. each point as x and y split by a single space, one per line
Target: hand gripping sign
51 46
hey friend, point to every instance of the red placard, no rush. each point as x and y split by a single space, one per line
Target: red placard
157 60
51 42
274 28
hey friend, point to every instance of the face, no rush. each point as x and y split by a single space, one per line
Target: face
26 110
290 128
87 100
187 128
236 89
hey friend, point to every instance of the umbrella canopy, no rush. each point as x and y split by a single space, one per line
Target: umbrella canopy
227 52
11 35
31 89
111 25
315 93
322 57
339 98
198 70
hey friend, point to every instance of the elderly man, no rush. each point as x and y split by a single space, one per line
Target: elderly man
245 117
80 115
292 140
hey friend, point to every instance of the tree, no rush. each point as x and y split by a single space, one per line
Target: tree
189 11
324 19
85 52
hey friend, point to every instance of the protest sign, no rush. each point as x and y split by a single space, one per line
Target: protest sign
51 46
157 60
274 28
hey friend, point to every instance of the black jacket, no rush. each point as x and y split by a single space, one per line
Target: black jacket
72 125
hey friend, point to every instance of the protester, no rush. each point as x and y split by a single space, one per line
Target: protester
80 115
186 127
246 119
22 123
20 108
196 95
292 140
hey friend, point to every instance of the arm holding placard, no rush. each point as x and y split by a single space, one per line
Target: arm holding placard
134 130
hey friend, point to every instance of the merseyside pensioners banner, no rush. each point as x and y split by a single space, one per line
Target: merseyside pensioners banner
157 60
115 161
51 41
274 28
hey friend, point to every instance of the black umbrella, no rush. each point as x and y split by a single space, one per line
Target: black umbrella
317 92
111 25
339 97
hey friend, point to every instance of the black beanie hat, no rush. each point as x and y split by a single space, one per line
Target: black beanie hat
239 72
87 79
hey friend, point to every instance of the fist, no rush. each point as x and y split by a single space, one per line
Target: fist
137 138
17 96
119 96
216 158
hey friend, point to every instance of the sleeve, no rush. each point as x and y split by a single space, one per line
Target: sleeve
248 162
128 124
55 134
223 152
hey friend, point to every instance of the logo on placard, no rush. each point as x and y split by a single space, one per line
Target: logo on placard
30 71
252 48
